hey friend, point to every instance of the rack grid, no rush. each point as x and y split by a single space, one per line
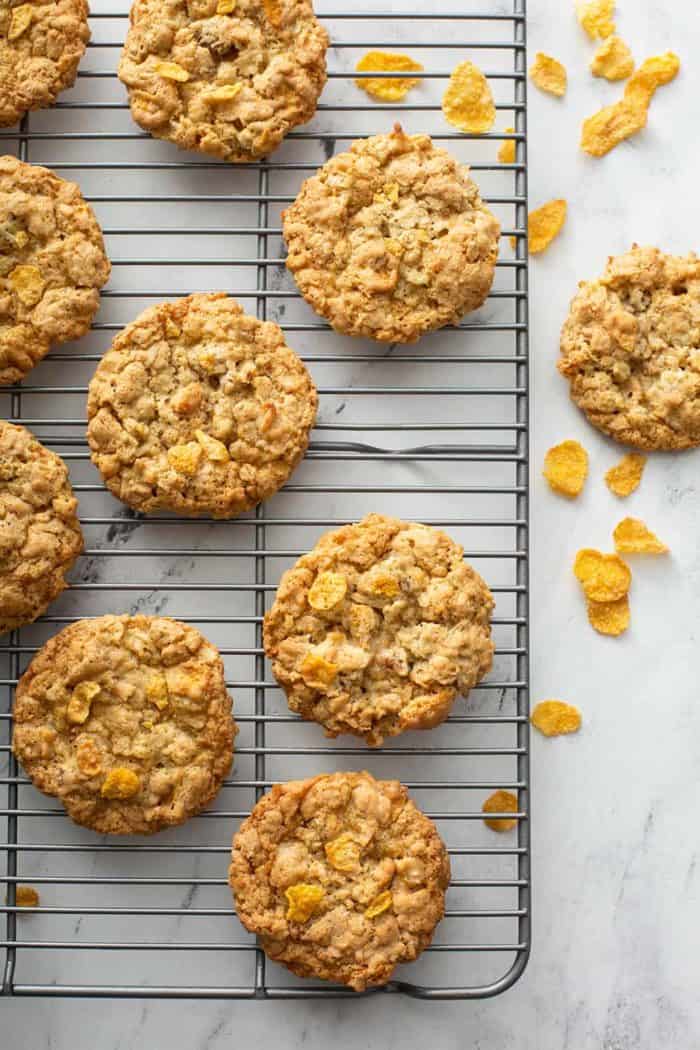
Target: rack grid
436 432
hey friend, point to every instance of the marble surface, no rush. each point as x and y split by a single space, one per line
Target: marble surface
616 880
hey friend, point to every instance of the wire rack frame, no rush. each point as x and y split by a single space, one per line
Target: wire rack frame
414 440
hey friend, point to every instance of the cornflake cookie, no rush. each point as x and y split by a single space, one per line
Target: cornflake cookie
391 239
378 628
199 408
126 720
630 349
40 536
41 45
225 77
52 265
341 877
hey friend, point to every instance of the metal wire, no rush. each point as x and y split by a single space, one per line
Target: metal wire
436 433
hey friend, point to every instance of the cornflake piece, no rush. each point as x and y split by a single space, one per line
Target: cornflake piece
225 7
381 903
624 477
611 618
500 802
87 757
26 897
20 21
387 89
548 74
171 71
633 537
273 11
596 17
27 284
604 577
224 93
120 783
613 60
214 450
185 458
566 467
468 102
343 853
327 591
544 224
157 691
506 153
303 899
81 699
554 718
316 671
653 73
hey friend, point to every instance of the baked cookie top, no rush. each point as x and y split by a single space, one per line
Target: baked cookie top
40 536
52 265
630 349
391 239
341 877
41 45
226 77
199 408
378 628
127 721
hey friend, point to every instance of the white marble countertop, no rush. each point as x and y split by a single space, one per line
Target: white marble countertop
616 881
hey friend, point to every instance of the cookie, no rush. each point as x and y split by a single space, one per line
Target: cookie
225 77
341 877
40 536
126 720
630 349
391 239
199 408
41 45
52 265
378 628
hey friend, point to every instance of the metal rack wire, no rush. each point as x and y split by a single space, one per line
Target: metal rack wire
437 432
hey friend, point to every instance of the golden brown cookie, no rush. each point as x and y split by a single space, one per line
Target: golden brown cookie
52 265
126 720
227 77
41 45
341 876
378 628
630 349
40 535
391 239
199 408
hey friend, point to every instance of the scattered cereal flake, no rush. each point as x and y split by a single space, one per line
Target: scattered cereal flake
554 718
273 10
624 477
381 903
171 71
566 467
27 284
613 60
500 802
157 691
596 17
548 74
468 102
185 458
506 153
610 617
225 93
343 853
87 757
21 238
214 449
604 577
304 899
225 7
20 21
544 224
327 591
120 783
654 72
27 897
633 537
387 89
610 126
317 672
81 699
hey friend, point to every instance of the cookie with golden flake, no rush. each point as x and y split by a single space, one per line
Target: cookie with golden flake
391 239
199 408
630 349
40 535
126 720
378 629
225 77
52 265
341 877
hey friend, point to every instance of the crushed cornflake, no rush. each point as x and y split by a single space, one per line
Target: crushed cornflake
506 153
613 60
381 903
27 284
387 89
566 467
343 853
303 900
544 224
26 897
633 537
596 17
327 591
604 577
548 74
554 718
171 71
225 7
624 477
611 618
468 102
224 93
500 802
120 783
653 73
20 21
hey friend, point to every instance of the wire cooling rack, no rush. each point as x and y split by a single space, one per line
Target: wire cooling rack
435 432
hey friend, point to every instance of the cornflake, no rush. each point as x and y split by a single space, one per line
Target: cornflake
225 93
303 899
225 7
548 74
273 10
611 618
81 700
500 802
214 449
27 284
387 89
653 73
327 591
596 17
317 672
604 577
624 477
554 718
120 783
506 153
343 853
171 71
633 537
185 458
468 102
381 903
20 21
26 897
566 467
613 60
544 224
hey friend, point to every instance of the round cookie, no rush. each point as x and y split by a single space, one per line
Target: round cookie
199 408
378 628
391 239
40 535
52 265
630 349
41 45
341 876
225 77
126 720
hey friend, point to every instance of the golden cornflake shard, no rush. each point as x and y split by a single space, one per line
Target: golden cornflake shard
26 897
171 71
303 900
613 60
554 718
506 153
387 89
596 17
633 537
500 802
611 618
544 224
381 903
468 102
604 577
566 467
624 477
548 74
